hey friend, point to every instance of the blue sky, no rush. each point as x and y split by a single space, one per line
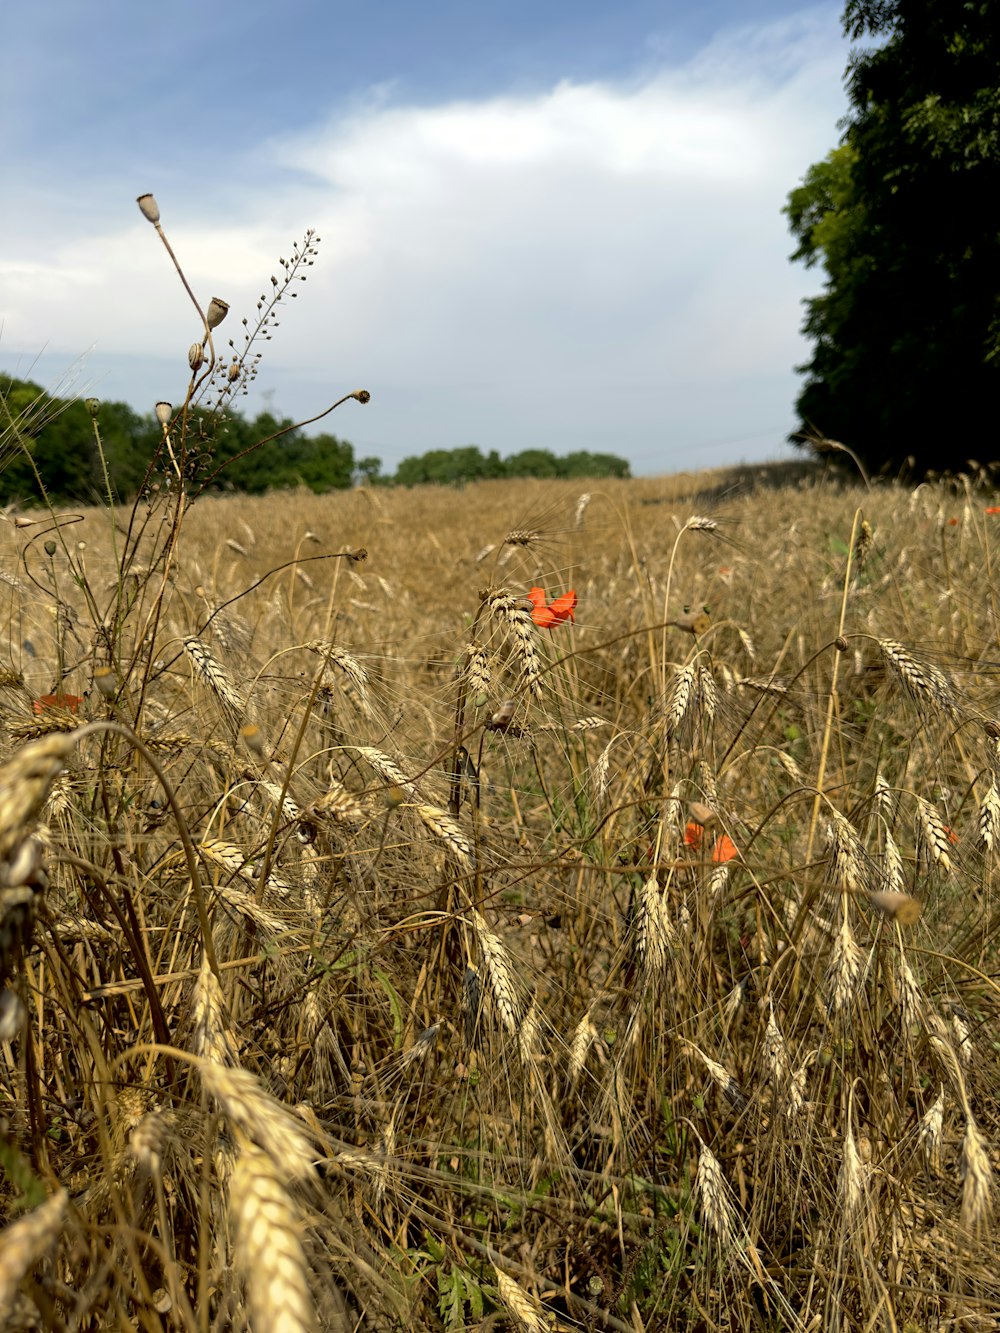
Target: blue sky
550 225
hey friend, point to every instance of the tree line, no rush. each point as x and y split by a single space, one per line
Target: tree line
76 450
905 364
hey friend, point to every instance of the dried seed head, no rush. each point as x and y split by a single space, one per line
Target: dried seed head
149 208
93 406
361 396
216 312
196 356
164 411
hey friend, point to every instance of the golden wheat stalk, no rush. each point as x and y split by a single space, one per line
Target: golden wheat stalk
925 683
347 664
215 676
260 1117
511 613
23 1243
210 1027
500 975
931 1132
713 1195
444 827
977 1178
269 1245
936 836
519 1303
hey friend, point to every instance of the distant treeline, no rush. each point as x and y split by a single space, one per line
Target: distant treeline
80 448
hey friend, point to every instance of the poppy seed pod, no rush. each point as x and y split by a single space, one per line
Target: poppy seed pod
216 312
93 406
164 411
196 356
361 395
149 208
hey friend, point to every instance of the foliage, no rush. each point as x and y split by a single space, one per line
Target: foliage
906 334
456 466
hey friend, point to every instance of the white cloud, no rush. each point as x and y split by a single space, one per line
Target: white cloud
590 266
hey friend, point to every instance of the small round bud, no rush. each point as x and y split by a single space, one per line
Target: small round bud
105 682
361 396
502 718
93 406
164 411
394 796
701 813
196 356
149 208
50 549
899 907
216 312
253 738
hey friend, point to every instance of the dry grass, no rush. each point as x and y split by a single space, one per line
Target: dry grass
373 958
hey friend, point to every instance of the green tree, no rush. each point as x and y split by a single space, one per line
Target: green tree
906 334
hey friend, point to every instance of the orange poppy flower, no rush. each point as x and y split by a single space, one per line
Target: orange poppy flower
993 509
555 612
724 849
67 703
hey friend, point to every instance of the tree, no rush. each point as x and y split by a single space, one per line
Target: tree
906 335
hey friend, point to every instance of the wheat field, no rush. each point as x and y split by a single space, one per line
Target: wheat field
375 957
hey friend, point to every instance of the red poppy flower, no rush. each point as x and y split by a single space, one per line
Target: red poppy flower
555 612
67 703
693 834
724 849
993 509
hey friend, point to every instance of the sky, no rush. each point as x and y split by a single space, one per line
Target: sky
550 225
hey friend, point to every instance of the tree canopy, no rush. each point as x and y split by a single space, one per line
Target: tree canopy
906 334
